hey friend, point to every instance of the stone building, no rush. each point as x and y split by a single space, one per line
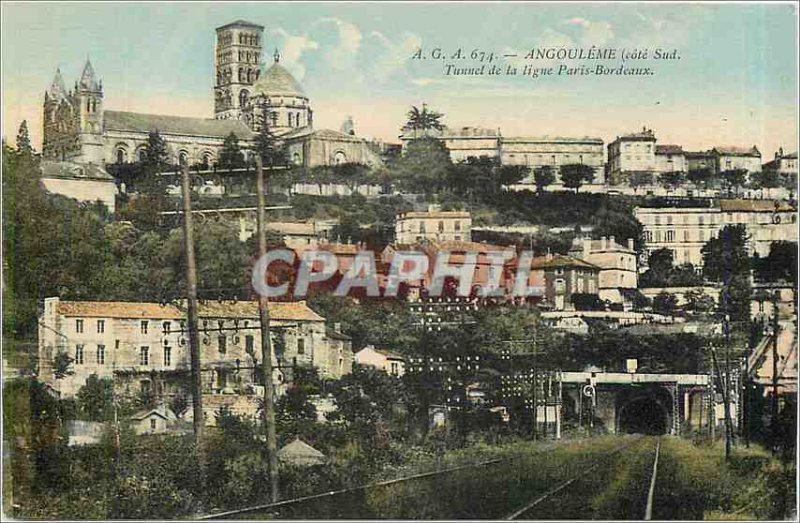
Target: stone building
78 128
82 182
533 152
782 163
389 361
144 346
733 158
670 158
433 224
635 152
686 229
562 277
617 263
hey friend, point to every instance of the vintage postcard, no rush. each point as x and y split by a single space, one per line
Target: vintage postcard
399 260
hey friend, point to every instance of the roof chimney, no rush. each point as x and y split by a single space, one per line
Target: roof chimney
603 244
587 247
611 242
630 244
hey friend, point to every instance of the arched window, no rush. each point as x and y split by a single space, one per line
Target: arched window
183 158
88 106
274 117
207 159
142 154
290 119
241 75
339 158
120 156
94 106
296 158
244 97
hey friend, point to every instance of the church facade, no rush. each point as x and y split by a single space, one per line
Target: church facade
77 127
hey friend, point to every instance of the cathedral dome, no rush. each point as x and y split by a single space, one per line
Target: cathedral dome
277 81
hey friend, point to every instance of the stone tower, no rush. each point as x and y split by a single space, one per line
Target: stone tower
89 101
237 63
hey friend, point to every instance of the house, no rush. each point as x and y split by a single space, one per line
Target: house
670 158
733 158
383 359
433 224
144 346
631 153
152 421
618 265
83 182
562 278
785 164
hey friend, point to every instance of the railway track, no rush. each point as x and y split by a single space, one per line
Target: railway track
485 489
341 492
561 487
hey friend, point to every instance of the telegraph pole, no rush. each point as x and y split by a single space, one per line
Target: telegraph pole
266 349
774 403
191 286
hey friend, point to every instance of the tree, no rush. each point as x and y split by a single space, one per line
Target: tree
424 119
155 156
231 157
765 180
725 260
699 177
665 303
543 176
574 175
700 302
96 398
424 166
640 179
659 265
779 265
733 179
671 180
267 145
23 140
62 363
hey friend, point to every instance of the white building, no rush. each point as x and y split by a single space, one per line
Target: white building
83 182
685 230
782 163
670 158
433 224
383 359
734 158
144 346
618 265
631 153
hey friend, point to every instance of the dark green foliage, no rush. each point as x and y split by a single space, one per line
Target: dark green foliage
671 180
96 399
700 302
640 178
665 303
574 175
662 273
543 176
62 365
24 147
231 156
780 265
424 119
587 302
725 260
423 167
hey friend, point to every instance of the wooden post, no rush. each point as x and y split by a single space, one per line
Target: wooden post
266 349
191 291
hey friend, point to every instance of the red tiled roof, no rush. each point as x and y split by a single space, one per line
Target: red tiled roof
118 309
560 260
278 310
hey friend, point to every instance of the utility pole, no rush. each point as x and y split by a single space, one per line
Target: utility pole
774 403
266 349
191 290
725 402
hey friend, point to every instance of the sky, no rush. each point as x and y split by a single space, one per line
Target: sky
735 83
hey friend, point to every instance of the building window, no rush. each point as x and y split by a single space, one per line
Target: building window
441 226
395 368
249 344
101 326
301 346
152 424
79 355
658 219
144 356
101 354
700 220
167 356
120 156
143 327
685 236
221 343
422 227
458 226
79 326
669 220
670 236
274 117
167 326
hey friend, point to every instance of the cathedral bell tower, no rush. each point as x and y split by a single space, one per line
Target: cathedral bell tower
237 63
89 105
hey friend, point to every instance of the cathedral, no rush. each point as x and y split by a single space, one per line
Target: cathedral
77 128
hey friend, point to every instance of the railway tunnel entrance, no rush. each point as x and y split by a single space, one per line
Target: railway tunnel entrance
644 411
